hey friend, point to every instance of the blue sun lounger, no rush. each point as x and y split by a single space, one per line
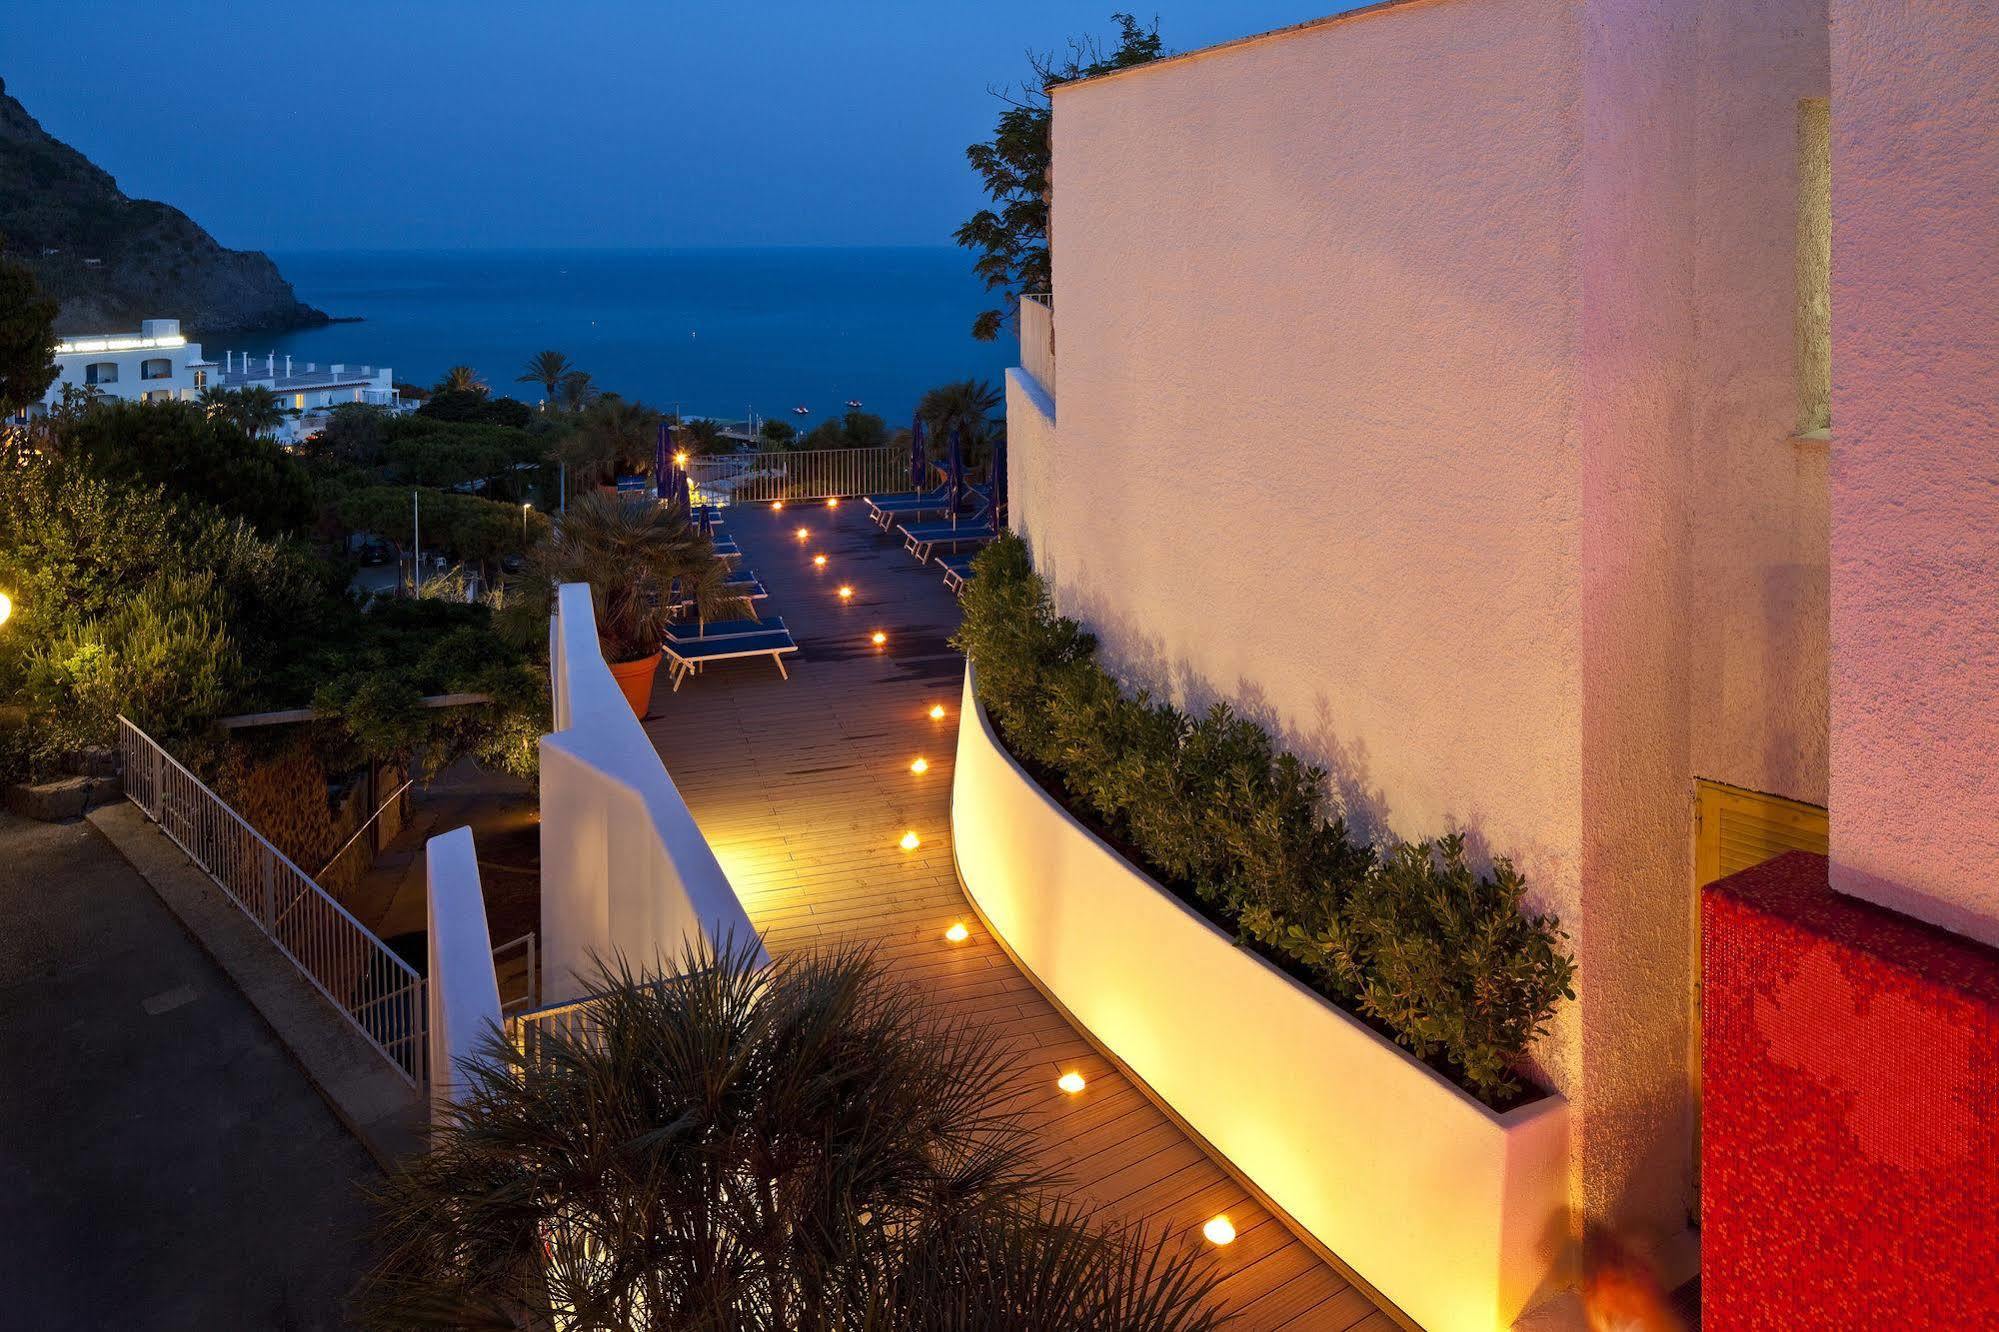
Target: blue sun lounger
687 656
884 509
957 571
694 631
923 539
727 549
740 583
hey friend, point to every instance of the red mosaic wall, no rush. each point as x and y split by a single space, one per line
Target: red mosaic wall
1850 1123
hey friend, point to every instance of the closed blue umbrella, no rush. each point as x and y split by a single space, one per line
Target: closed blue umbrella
662 466
919 459
957 466
998 479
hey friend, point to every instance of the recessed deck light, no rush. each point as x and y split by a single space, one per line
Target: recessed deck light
802 534
936 712
777 506
832 501
1219 1230
846 593
1071 1082
818 561
910 841
957 933
921 766
878 638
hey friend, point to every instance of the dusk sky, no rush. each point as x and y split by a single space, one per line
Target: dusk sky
474 124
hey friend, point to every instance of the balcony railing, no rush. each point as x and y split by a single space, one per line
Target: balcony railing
1037 338
779 474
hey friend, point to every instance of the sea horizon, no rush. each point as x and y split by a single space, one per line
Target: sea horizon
711 330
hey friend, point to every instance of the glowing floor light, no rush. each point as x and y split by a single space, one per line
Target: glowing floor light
921 766
1219 1230
846 593
910 841
936 712
818 561
1071 1082
957 933
878 638
832 501
777 506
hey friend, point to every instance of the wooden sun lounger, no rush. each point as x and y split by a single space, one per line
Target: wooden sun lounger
687 656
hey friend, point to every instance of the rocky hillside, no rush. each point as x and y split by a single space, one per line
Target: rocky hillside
113 261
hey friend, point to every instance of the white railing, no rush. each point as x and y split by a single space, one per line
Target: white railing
625 870
777 474
376 991
517 971
1037 339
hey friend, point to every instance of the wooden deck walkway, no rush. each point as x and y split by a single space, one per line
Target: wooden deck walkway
804 788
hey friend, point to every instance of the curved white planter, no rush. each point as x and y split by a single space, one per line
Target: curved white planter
1453 1212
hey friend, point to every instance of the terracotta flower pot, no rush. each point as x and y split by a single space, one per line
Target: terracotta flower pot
635 678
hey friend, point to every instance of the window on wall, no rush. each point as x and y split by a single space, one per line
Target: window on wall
1814 315
159 368
201 379
101 372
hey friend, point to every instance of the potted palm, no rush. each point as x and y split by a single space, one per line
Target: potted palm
639 557
761 1149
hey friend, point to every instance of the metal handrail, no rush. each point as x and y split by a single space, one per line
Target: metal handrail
378 993
800 474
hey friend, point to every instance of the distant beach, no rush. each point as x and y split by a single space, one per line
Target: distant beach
715 332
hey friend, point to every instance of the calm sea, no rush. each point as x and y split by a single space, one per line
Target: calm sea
714 332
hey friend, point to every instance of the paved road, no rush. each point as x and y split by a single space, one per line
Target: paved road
163 1162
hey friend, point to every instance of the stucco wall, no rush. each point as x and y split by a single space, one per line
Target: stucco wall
1915 555
1427 389
1315 311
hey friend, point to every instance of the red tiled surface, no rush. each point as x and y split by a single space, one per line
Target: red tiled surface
1850 1136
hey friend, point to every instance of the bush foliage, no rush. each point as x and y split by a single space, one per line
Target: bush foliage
1445 959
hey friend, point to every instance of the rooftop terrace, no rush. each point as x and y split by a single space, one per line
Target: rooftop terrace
804 788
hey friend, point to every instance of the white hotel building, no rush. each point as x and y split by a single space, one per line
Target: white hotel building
159 364
156 364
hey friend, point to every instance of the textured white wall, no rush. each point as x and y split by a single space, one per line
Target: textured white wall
1427 381
1316 317
1915 686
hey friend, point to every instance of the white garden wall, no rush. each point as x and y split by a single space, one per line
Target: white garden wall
1453 1212
625 870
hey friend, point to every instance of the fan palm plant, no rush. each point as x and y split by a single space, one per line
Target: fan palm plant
633 553
798 1146
576 390
546 368
256 409
460 379
613 436
968 406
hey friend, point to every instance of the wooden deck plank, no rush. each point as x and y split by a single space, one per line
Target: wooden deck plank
804 789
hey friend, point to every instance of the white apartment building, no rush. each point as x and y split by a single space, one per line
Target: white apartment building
156 364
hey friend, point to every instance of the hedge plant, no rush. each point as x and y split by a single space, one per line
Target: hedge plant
1445 959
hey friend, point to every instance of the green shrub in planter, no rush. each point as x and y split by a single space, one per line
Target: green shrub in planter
1444 959
1451 961
1011 629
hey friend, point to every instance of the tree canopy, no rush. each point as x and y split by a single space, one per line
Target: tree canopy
1011 236
27 338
